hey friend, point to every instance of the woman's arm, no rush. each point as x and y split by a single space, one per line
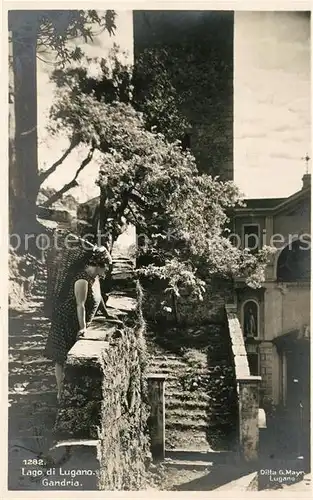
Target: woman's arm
103 308
81 291
106 313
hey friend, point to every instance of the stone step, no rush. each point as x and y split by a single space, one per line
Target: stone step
217 457
177 370
170 376
18 412
165 356
23 337
176 365
186 404
28 329
181 414
27 357
18 421
120 258
32 369
163 361
40 433
187 464
20 318
181 439
25 382
28 380
28 348
174 393
28 447
32 393
38 300
27 341
186 424
123 264
35 400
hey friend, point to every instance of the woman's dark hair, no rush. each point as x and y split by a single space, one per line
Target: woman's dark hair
99 257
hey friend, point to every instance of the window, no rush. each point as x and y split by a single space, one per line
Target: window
251 237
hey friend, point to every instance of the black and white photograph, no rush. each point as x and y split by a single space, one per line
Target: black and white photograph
159 248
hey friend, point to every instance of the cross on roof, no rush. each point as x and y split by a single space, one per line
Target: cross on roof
306 158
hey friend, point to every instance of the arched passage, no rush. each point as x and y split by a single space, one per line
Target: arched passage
294 262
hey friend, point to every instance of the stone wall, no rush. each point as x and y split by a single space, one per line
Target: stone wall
247 390
105 397
124 450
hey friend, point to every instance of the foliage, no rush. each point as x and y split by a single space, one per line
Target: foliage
54 29
146 86
152 183
156 96
67 201
32 33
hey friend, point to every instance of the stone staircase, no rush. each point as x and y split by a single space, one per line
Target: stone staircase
32 392
200 392
32 388
199 387
31 376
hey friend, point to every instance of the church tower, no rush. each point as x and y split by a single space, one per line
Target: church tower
199 47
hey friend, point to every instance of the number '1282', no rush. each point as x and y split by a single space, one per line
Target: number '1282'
33 461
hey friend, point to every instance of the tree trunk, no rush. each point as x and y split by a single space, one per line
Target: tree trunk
23 160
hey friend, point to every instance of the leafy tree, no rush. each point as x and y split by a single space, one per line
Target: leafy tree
151 182
118 81
31 33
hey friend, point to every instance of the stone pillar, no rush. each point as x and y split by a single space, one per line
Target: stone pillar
248 395
156 386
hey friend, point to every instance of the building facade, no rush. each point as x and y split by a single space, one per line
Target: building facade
275 319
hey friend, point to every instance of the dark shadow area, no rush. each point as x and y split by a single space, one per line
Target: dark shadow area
223 413
218 476
294 263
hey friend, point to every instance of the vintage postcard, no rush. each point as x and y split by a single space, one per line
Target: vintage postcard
159 174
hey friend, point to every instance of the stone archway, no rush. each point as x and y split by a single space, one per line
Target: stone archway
294 262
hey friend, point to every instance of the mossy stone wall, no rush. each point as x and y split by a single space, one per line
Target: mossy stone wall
105 399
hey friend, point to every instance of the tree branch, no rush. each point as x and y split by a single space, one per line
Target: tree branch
137 199
72 183
133 214
46 173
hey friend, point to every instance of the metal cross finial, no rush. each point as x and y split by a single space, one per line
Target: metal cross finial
306 158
